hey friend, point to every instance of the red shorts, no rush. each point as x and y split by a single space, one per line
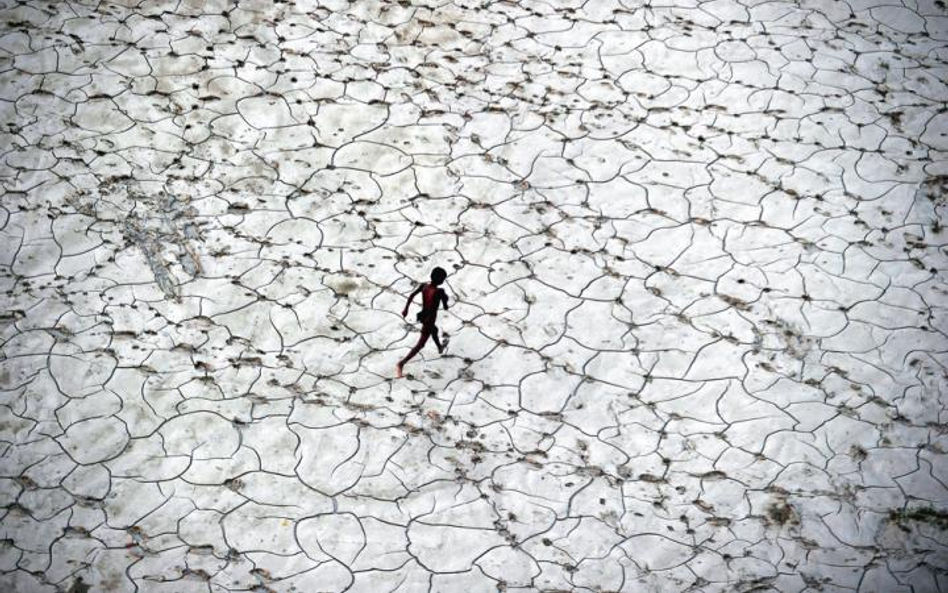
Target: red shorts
426 317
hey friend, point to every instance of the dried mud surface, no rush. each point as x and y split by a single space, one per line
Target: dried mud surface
697 277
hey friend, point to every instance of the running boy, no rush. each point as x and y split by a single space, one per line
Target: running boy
431 296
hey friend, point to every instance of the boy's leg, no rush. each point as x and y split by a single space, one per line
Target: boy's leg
421 342
437 341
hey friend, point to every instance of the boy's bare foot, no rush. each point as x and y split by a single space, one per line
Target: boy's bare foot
398 371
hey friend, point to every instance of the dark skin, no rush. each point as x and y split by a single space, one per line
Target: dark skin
431 296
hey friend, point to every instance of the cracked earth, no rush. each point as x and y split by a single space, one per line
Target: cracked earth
697 271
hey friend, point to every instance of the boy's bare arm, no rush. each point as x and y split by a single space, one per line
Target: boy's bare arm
411 297
444 299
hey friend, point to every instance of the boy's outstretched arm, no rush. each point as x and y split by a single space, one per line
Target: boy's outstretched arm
410 298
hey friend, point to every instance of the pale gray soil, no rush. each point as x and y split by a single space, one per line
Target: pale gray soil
697 270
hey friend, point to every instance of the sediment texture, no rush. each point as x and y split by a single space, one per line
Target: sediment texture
697 272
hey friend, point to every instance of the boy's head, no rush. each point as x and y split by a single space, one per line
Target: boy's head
438 275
